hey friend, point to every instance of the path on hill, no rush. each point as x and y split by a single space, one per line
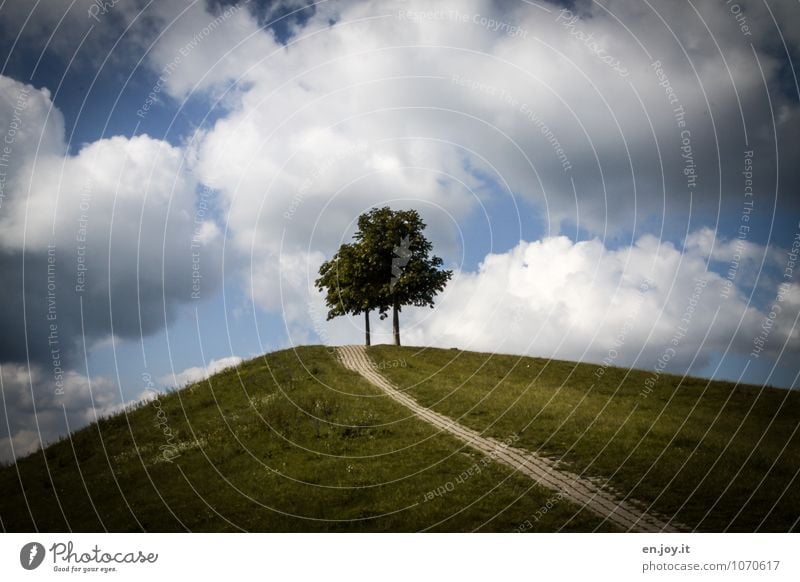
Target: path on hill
577 489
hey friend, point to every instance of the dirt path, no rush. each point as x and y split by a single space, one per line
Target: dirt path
577 489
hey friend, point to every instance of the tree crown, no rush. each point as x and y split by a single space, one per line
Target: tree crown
388 266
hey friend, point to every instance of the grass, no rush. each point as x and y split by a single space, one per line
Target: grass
717 456
290 441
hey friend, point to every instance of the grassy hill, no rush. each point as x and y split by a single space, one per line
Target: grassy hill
292 441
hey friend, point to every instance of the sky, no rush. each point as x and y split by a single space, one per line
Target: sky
611 182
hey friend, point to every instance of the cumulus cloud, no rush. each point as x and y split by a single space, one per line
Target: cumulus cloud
743 260
530 105
203 47
197 373
444 108
39 407
112 238
576 300
583 301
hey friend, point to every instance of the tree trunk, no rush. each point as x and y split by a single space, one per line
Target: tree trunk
366 326
396 324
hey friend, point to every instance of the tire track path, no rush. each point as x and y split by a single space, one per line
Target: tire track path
581 491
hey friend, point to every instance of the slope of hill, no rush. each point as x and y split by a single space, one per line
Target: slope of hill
715 456
293 441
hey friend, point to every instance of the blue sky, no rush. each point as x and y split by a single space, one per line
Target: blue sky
553 185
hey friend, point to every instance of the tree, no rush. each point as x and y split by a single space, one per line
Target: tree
348 284
389 266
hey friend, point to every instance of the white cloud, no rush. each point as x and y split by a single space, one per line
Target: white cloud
31 126
197 373
117 224
385 71
39 410
201 50
396 102
743 260
571 300
583 301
